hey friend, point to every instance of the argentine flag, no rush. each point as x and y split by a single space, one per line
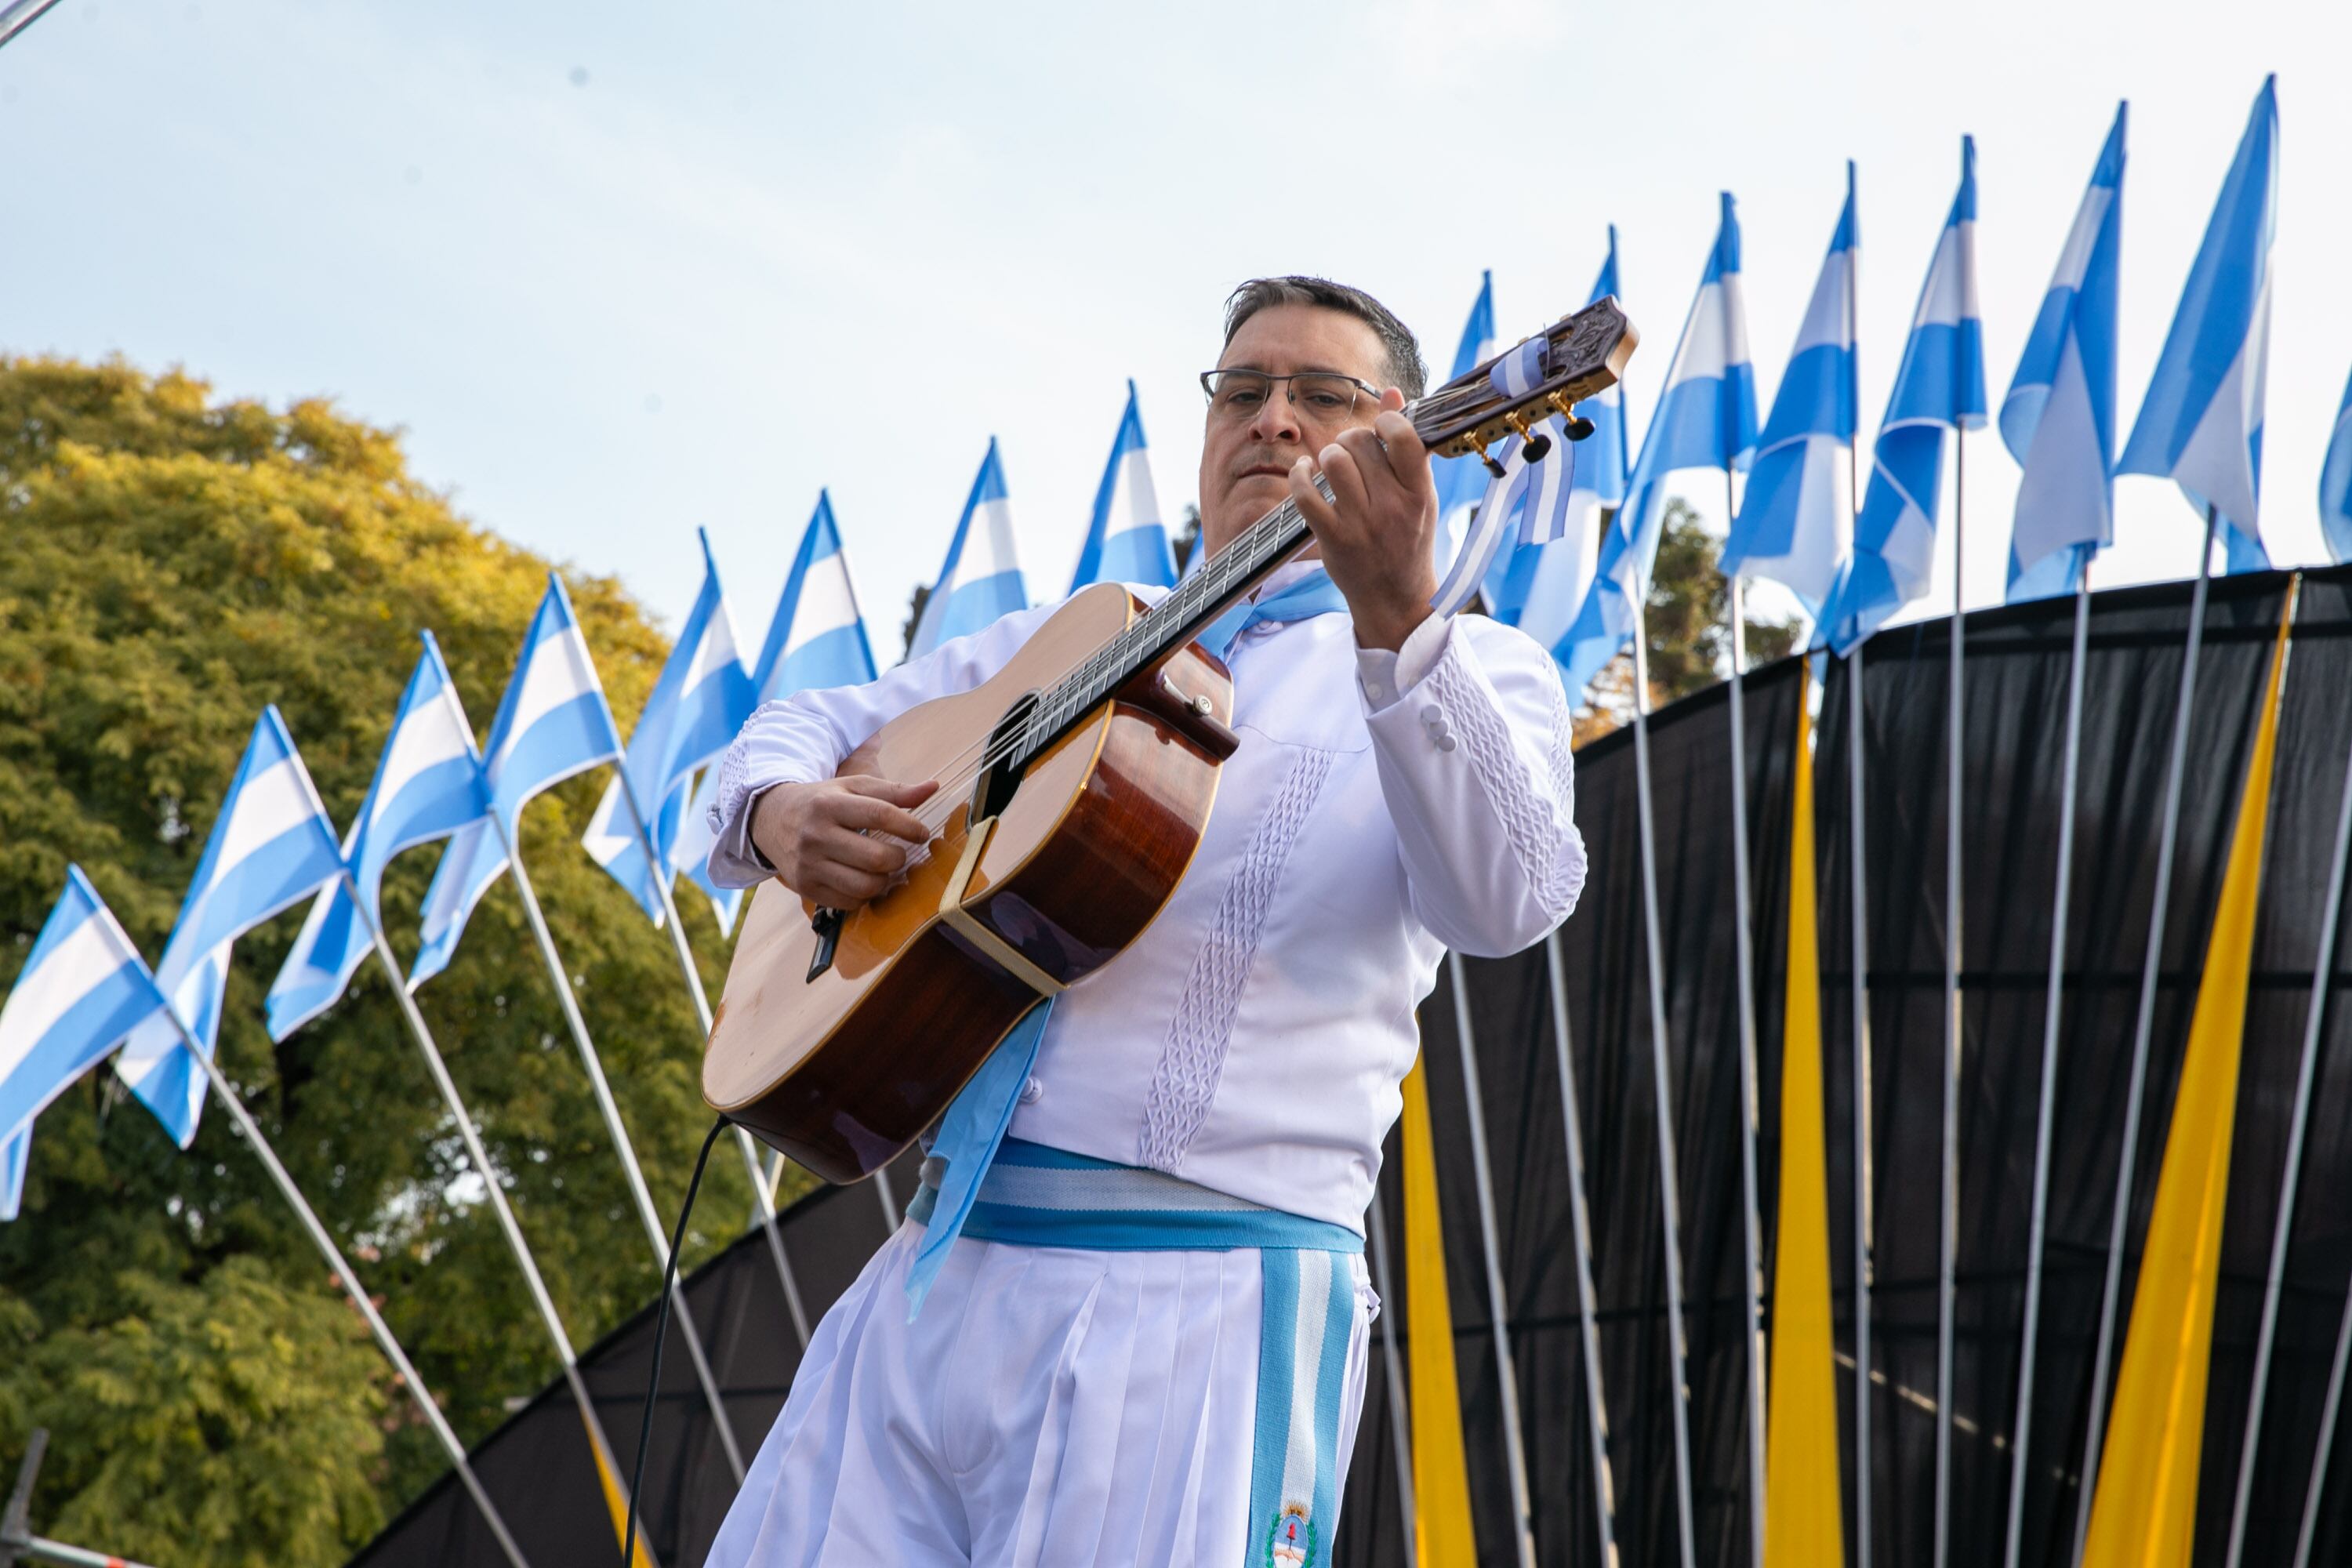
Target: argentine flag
2335 484
271 847
1705 417
2200 425
1462 481
2059 418
816 639
1538 587
982 580
1796 516
1939 386
1126 541
428 785
700 701
551 723
84 988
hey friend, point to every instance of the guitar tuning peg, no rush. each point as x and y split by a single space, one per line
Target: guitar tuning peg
1534 445
1492 466
1577 427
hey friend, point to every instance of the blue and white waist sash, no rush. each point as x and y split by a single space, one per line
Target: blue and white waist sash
1035 1196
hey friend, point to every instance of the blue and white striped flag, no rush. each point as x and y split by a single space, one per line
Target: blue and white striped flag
1462 481
2059 418
1939 387
1540 588
1705 417
1536 494
981 579
428 785
2335 484
553 722
1126 540
1797 514
701 700
84 988
271 847
816 639
2200 425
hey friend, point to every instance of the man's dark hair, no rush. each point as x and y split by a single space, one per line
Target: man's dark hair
1404 370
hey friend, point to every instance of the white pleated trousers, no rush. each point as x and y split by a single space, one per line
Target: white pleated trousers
1051 1405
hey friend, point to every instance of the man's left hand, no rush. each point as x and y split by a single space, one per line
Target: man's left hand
1377 533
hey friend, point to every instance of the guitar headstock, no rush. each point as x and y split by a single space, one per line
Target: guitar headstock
1548 374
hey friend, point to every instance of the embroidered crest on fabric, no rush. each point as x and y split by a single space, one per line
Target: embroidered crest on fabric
1290 1540
1193 1060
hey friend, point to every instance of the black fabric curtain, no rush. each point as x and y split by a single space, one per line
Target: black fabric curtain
2017 664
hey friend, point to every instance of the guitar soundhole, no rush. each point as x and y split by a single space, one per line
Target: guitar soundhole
1007 758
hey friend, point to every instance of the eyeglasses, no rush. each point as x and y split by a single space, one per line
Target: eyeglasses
1323 396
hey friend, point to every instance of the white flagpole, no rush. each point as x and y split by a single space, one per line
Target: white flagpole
353 1291
1669 1186
1858 882
1948 1240
466 1129
2322 968
2317 1491
1752 1230
658 871
2052 1006
1596 1408
1515 1445
2121 1219
1400 1440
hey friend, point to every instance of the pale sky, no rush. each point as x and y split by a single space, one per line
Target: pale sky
622 270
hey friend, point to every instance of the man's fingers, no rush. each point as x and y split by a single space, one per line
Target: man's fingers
844 847
1341 471
841 887
896 793
1407 458
1311 504
867 814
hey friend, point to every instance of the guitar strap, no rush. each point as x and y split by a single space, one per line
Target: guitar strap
974 1124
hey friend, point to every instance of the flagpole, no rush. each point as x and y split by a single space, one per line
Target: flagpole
2052 1006
657 872
1948 1241
2316 1491
1515 1445
353 1290
579 1025
1861 946
1669 1189
1400 1440
1751 1237
634 1174
2320 970
468 1130
2121 1219
1596 1410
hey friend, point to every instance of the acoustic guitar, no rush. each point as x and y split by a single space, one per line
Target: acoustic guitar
1075 786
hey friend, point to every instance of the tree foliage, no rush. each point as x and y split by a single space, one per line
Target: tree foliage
169 564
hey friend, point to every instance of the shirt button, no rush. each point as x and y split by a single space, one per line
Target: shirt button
1433 715
1032 1092
1445 742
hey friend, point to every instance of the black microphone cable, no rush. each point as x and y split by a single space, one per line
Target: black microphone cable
661 1332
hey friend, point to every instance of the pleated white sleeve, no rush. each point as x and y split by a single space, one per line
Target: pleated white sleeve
802 738
1471 732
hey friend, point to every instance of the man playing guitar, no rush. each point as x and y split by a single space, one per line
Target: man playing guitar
1148 1343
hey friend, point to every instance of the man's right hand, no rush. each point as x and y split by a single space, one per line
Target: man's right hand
817 836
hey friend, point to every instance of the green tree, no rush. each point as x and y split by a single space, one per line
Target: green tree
170 562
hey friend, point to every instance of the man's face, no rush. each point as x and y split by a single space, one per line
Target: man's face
1245 461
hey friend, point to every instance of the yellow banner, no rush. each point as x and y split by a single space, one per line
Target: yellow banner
1803 1522
2145 1513
1441 1478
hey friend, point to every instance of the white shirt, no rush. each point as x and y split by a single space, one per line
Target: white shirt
1381 807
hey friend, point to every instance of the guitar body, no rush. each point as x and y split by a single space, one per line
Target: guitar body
843 1068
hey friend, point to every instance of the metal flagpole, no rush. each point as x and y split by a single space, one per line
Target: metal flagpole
1596 1408
2320 970
579 1025
16 1538
1398 1439
762 1189
353 1289
2053 1005
499 1205
1515 1445
2317 1489
1752 1230
1669 1187
2121 1219
1948 1241
1857 883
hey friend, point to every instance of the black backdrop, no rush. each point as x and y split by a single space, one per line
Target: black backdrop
537 1464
